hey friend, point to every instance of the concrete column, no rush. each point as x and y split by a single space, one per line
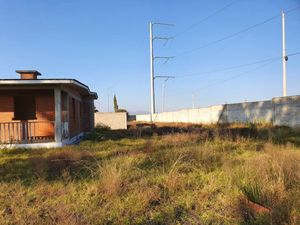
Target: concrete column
57 101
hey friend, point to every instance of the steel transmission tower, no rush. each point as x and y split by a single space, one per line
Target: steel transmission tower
152 59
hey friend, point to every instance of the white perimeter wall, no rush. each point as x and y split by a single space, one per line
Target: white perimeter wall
279 111
202 115
116 121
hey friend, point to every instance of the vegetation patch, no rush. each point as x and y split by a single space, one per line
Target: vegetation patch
183 174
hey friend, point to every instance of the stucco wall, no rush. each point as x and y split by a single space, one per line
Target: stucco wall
248 112
116 121
279 111
287 111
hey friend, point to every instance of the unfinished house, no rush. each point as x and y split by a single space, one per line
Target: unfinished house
44 112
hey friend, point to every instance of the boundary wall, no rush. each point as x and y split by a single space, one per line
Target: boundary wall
113 120
282 111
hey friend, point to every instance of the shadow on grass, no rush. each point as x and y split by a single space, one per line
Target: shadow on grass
277 135
28 165
70 164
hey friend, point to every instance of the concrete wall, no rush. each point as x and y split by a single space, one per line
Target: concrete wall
279 111
251 112
113 120
202 115
287 111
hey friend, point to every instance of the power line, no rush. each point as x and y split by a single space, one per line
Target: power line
233 77
268 61
227 68
291 9
206 18
238 75
228 36
237 33
236 67
293 54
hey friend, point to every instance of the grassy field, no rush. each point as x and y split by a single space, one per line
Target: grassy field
157 175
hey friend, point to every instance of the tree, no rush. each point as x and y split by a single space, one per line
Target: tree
116 107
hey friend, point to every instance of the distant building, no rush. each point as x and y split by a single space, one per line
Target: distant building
44 112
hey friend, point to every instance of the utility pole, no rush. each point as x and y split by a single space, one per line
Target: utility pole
284 56
152 58
107 102
163 90
151 74
193 99
163 95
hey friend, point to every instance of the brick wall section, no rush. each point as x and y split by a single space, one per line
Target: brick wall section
45 112
88 114
80 120
43 126
84 116
73 130
6 108
28 76
76 122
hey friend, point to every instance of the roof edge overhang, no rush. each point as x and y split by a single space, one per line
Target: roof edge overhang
49 82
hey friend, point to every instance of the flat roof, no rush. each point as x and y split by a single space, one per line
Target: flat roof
48 81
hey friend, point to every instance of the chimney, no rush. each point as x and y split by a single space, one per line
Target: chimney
28 74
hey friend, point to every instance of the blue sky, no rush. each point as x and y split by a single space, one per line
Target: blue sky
105 44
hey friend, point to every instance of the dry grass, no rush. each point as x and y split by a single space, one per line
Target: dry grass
272 182
201 175
111 179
